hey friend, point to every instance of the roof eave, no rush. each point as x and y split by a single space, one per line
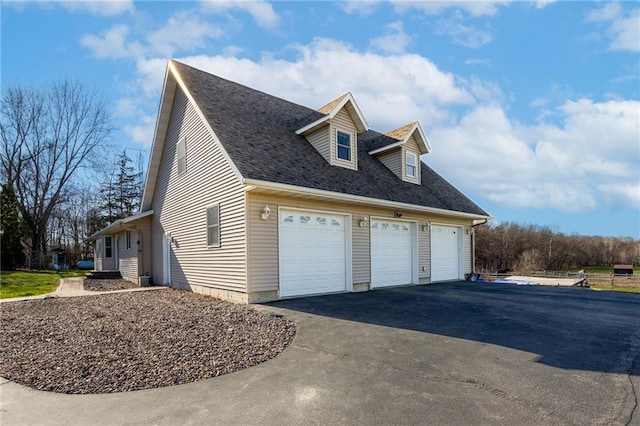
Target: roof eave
119 224
357 199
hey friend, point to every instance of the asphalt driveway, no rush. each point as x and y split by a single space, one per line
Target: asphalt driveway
458 353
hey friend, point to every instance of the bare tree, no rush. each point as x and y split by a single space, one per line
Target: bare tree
47 136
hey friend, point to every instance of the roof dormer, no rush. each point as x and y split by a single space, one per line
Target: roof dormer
335 133
403 156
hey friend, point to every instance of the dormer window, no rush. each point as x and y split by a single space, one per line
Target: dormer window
411 165
343 146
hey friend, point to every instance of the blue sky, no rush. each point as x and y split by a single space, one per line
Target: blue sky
531 108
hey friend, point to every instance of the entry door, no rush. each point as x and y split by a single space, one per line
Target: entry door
166 260
313 252
391 253
446 262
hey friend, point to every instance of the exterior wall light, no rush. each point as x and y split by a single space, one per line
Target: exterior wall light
265 212
364 222
425 227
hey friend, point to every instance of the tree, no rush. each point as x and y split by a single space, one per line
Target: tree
120 191
47 135
11 227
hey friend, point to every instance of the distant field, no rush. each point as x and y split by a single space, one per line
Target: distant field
622 289
32 283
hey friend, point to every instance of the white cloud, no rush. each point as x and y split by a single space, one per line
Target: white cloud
608 12
541 4
91 7
390 92
362 8
623 27
625 33
589 159
142 132
112 44
474 8
262 12
394 40
462 34
183 32
100 7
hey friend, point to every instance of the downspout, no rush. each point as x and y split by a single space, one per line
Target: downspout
473 243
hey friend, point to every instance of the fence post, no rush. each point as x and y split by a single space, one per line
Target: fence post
612 280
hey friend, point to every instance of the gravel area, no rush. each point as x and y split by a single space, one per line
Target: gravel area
108 285
134 340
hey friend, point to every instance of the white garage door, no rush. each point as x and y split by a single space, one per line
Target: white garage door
312 253
391 253
445 253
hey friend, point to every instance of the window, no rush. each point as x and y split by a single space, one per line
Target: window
127 239
344 146
412 165
108 246
182 156
213 225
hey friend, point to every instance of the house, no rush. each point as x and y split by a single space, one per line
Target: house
252 198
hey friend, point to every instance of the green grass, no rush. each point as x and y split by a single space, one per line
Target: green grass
32 283
621 289
606 269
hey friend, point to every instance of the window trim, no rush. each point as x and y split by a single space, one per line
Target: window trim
109 247
127 240
414 165
350 147
181 155
216 225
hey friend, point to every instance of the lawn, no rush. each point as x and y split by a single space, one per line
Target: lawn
606 269
32 283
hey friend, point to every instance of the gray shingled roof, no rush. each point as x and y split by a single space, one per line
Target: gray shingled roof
258 132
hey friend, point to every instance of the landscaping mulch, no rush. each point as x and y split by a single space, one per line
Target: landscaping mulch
108 285
133 340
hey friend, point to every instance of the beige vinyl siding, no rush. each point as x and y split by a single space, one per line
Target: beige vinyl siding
424 251
411 146
361 249
321 141
179 203
128 258
393 160
467 254
262 237
342 121
143 241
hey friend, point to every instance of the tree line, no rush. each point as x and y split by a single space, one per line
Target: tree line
517 247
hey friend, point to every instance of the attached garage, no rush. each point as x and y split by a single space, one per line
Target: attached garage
393 253
446 256
314 252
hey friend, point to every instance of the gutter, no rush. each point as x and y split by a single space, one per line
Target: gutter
358 199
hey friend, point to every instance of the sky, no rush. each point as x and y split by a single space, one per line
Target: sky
531 109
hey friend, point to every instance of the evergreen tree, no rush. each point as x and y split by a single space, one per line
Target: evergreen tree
12 227
121 193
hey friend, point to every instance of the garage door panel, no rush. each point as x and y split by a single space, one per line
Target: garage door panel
445 253
312 253
391 253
